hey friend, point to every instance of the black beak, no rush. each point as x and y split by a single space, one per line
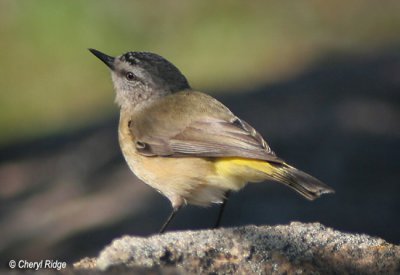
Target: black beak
108 60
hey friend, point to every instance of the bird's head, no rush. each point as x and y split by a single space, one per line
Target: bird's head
142 76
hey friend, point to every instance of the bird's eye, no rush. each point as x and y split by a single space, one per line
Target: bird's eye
130 76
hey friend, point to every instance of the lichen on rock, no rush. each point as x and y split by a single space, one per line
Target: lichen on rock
293 249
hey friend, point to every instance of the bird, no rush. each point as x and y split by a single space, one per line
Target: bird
186 144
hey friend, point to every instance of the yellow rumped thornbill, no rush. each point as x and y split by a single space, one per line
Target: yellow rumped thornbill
186 144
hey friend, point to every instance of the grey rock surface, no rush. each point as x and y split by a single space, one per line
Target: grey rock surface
291 249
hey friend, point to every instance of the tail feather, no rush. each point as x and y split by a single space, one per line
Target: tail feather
250 170
306 185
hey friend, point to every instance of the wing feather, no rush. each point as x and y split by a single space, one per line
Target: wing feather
205 134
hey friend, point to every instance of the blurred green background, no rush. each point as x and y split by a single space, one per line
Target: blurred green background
319 79
49 82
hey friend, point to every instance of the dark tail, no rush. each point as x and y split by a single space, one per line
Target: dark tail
306 185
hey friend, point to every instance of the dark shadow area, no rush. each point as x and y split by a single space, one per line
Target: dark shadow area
67 196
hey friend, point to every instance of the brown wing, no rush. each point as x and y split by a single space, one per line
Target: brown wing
216 133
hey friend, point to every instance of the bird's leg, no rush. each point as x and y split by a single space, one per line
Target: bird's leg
175 210
221 209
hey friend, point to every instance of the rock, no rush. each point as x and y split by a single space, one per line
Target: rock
294 249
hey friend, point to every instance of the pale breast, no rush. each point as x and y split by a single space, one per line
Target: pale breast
184 178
